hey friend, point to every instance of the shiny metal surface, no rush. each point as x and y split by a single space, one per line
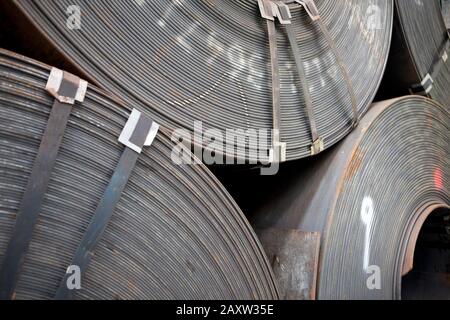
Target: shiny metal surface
186 60
175 233
366 195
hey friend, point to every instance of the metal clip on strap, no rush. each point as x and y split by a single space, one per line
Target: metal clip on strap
424 88
138 132
66 88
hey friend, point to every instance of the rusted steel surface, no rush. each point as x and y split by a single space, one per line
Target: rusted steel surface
191 60
294 256
366 196
175 232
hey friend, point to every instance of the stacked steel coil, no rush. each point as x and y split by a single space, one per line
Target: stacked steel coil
445 4
367 199
186 60
419 60
175 233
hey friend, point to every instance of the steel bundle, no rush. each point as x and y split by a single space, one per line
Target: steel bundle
366 199
175 233
186 60
422 46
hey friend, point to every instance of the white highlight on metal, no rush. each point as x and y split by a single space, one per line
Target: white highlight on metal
367 211
81 92
425 81
151 134
374 18
141 2
129 128
54 80
169 11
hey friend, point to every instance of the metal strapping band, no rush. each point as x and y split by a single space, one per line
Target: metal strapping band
313 13
66 88
425 87
270 10
138 132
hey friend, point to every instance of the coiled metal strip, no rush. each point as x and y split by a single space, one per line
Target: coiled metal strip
363 196
175 233
427 42
200 60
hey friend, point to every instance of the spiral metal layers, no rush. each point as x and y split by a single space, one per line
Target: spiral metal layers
175 233
186 60
428 43
367 197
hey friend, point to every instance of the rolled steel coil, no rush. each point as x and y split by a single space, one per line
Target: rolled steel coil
368 198
445 4
209 61
175 233
421 41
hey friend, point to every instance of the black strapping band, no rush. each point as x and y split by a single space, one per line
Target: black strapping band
66 88
424 88
137 133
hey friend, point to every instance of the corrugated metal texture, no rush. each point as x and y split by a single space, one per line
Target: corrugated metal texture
186 60
175 233
365 195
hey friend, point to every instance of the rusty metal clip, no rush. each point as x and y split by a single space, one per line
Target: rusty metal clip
310 8
317 146
271 9
66 87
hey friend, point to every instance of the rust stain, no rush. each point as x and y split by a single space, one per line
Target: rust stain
355 164
161 54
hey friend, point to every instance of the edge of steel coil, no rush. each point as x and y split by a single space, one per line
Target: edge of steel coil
418 62
362 203
194 235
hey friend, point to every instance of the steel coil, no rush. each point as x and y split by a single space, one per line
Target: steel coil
175 233
445 4
367 199
209 61
420 50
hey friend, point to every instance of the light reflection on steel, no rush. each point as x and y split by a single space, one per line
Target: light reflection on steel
191 60
367 197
